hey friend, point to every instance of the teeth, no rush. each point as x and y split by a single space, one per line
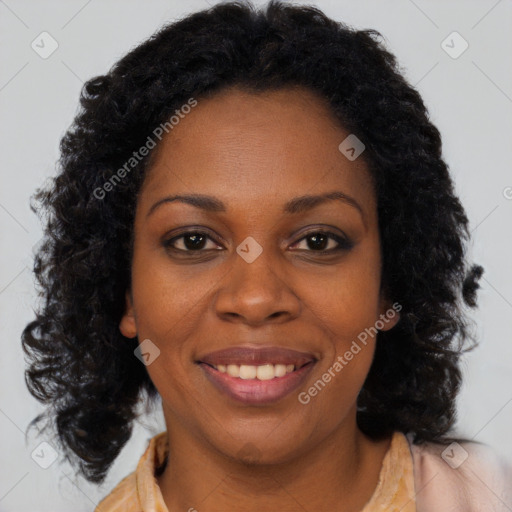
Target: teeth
248 372
265 372
280 370
261 372
233 370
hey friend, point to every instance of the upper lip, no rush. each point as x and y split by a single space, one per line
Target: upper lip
256 356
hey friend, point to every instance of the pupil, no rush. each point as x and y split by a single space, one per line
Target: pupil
194 241
319 241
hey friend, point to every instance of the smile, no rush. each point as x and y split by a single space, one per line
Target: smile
273 374
262 372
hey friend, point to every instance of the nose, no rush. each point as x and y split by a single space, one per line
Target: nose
256 293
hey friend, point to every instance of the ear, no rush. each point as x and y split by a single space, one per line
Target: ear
127 325
389 314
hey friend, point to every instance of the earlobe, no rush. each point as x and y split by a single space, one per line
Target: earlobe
389 314
127 325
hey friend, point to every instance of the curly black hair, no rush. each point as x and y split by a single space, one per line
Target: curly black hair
79 362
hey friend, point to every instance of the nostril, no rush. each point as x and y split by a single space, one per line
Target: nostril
277 313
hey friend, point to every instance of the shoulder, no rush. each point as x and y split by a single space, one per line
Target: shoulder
123 498
461 476
139 490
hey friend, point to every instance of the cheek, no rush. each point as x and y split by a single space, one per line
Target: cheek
349 301
166 308
347 308
166 299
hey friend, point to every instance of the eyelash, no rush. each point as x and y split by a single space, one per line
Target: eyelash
344 244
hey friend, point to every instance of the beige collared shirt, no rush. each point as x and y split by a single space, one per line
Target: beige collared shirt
139 491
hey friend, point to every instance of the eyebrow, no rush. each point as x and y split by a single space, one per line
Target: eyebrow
296 205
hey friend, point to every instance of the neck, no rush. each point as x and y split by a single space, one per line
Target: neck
340 474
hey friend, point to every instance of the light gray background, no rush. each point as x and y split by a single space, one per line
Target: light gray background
469 98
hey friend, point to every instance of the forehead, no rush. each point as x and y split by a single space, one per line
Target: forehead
244 144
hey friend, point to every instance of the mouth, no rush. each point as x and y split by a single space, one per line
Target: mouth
256 375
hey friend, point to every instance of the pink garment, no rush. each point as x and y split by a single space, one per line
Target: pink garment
465 477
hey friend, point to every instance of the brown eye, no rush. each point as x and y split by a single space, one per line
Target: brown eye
322 241
192 241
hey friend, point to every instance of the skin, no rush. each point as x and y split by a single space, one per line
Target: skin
255 152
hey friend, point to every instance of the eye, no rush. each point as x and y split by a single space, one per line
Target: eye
191 241
323 242
317 241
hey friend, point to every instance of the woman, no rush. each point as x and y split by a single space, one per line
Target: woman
253 222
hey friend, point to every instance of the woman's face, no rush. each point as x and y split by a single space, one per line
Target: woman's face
242 281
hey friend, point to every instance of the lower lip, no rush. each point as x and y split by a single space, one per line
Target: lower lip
255 391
